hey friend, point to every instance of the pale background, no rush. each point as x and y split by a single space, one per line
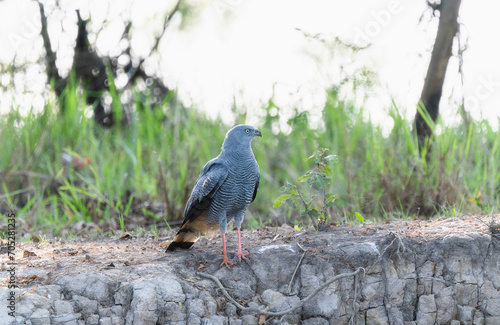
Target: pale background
242 52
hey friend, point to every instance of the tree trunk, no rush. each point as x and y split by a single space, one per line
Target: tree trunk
50 56
433 85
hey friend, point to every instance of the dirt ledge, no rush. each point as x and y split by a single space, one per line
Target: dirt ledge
416 272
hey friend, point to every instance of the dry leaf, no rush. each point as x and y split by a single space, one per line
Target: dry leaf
28 254
126 235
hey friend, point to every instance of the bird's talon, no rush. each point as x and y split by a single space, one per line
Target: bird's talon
242 256
226 263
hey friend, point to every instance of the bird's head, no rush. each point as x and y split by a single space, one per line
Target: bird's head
240 135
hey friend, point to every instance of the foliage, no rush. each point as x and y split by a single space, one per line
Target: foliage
140 174
314 198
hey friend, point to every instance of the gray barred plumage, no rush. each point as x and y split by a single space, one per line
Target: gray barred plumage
226 186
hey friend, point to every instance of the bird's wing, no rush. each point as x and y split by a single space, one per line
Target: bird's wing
255 189
211 178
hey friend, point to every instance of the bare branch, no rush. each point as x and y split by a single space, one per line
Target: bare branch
134 71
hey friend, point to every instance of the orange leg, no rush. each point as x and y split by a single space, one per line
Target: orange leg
225 261
240 254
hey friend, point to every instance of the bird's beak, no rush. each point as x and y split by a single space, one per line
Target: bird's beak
258 133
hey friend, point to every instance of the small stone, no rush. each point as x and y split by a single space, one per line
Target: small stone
117 310
492 320
63 307
465 314
196 307
278 302
85 305
230 309
115 320
427 304
105 321
249 320
376 316
478 318
216 320
40 317
193 320
315 321
92 319
234 321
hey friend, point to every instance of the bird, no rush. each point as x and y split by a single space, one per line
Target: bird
225 188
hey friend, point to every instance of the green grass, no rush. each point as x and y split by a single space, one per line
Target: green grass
141 173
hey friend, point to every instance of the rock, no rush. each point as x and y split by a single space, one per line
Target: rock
85 305
426 310
94 286
66 319
465 314
492 320
63 307
230 309
40 317
143 307
115 320
491 295
376 316
94 319
315 321
450 279
216 320
105 321
195 307
371 291
50 292
194 320
478 318
235 321
173 313
326 302
169 289
240 281
105 311
466 294
27 302
445 303
427 304
278 302
249 320
272 266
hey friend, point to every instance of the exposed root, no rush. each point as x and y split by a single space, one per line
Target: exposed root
286 311
289 290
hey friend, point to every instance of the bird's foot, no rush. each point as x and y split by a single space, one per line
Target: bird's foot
226 262
240 256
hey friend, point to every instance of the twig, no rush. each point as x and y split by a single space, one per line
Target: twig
307 209
296 268
283 312
396 236
353 315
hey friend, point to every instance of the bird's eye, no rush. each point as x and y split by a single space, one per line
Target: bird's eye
247 131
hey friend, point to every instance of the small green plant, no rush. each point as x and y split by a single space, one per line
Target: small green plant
314 196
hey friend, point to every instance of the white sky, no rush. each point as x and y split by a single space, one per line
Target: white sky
244 51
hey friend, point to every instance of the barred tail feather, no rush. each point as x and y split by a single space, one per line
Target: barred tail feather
191 231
